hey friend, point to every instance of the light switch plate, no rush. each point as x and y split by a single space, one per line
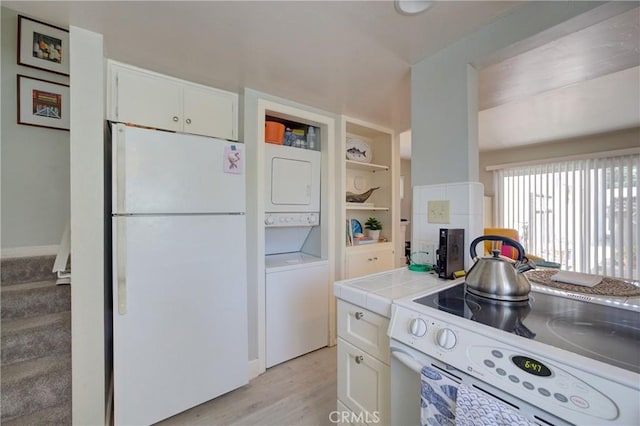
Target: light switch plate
438 211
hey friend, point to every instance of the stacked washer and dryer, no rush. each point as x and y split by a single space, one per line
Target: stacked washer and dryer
297 278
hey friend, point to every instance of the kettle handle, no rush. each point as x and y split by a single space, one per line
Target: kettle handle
506 240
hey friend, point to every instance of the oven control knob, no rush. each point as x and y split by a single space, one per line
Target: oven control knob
418 327
269 220
446 338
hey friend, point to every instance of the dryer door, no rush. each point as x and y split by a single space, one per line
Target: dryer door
293 180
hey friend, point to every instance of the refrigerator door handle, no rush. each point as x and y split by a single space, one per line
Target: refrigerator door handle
122 265
120 184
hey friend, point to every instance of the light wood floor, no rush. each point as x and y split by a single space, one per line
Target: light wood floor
300 392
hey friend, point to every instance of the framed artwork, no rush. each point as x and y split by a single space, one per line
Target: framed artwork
43 46
43 103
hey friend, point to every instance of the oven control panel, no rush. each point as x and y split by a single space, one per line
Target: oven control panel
517 370
561 385
291 219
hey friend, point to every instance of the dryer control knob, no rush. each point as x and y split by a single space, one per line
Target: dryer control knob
418 327
446 338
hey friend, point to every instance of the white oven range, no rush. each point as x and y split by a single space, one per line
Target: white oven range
553 359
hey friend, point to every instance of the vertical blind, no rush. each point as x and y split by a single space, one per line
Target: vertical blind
582 214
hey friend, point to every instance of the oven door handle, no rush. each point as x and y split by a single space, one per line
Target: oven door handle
407 360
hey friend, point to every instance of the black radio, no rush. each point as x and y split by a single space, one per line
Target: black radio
450 253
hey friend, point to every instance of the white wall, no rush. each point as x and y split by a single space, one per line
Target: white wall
35 162
87 228
621 139
466 208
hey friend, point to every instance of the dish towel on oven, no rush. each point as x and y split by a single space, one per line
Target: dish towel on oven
474 408
437 398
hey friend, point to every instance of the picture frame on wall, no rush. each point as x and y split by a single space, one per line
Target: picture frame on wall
43 46
43 103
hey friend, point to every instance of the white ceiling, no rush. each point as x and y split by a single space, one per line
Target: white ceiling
351 57
606 103
582 83
354 57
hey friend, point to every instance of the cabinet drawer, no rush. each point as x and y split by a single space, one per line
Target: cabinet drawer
364 329
369 262
363 383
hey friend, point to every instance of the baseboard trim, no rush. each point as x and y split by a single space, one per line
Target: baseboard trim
254 369
8 253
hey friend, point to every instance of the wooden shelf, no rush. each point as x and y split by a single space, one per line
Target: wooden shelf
366 166
367 208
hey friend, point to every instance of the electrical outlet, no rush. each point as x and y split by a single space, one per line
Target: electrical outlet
430 249
438 211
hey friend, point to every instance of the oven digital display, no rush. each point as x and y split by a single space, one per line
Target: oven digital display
531 366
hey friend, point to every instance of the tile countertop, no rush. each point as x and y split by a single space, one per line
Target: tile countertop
376 292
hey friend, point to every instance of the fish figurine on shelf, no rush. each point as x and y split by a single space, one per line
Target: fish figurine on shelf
360 198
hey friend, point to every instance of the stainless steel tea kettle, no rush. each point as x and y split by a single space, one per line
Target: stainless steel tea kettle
498 278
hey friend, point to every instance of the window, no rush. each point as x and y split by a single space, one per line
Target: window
582 213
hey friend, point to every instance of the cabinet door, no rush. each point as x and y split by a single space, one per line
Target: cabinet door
345 417
364 329
369 262
148 100
363 383
209 112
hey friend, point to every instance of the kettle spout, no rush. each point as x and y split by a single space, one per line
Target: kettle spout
526 266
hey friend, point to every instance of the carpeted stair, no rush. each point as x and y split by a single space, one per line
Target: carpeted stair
36 344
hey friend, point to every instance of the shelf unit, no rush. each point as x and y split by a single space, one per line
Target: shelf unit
383 204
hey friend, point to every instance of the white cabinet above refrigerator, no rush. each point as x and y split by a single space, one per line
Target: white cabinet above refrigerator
150 99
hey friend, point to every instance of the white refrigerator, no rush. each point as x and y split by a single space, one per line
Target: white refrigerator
179 272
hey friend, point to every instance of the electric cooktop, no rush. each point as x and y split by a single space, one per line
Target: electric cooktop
600 332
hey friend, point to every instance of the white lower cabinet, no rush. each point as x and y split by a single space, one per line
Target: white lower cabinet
363 364
369 261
